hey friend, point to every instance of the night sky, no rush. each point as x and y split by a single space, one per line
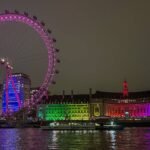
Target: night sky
101 42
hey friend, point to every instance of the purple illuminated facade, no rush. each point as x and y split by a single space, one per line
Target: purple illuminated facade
39 27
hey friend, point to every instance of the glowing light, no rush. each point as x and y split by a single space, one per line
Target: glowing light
111 123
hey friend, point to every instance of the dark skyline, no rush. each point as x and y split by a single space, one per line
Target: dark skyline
101 43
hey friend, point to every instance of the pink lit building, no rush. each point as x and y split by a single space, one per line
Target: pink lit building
124 104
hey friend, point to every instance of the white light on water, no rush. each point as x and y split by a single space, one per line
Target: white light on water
112 123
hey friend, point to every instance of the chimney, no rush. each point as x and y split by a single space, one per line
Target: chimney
63 94
90 93
71 94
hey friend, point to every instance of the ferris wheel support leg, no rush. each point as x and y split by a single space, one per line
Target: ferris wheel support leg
16 94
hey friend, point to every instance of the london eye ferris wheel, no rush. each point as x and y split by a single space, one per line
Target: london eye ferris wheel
48 40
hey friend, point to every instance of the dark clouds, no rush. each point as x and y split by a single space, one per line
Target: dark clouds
101 42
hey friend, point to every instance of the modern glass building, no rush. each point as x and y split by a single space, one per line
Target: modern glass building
18 88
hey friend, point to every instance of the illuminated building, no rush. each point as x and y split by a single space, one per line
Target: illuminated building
65 108
64 112
21 89
128 110
123 104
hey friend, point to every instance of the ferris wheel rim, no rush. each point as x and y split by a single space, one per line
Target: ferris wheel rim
45 36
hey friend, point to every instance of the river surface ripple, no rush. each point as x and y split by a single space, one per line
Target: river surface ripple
36 139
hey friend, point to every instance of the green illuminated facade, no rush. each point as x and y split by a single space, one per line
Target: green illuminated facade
54 112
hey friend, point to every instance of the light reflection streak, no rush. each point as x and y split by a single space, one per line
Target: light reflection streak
112 138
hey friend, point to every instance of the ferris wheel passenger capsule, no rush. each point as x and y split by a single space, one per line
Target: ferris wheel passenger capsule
42 23
16 12
6 12
34 17
54 40
57 50
56 71
26 14
58 61
53 82
49 31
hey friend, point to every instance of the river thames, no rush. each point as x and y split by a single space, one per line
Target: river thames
36 139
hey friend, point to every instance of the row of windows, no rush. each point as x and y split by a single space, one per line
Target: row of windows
85 111
67 119
68 109
136 110
67 116
61 106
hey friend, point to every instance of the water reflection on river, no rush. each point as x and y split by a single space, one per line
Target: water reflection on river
36 139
